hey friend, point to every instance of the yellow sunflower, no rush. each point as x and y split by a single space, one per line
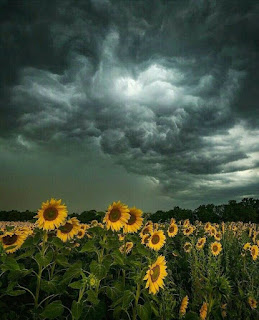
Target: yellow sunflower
116 216
172 221
51 215
172 230
145 239
188 231
81 233
156 240
247 246
68 230
203 311
187 247
200 243
155 275
126 247
216 248
184 305
135 221
146 230
252 303
217 236
121 236
186 223
254 252
213 231
12 241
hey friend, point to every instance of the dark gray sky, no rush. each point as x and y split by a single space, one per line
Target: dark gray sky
154 103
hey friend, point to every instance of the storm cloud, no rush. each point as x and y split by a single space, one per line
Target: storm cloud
159 97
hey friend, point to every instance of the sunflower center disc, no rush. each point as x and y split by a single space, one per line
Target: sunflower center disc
156 273
66 228
132 219
145 231
215 248
155 239
9 240
50 214
171 229
115 215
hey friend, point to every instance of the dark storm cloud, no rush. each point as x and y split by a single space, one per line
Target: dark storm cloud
166 89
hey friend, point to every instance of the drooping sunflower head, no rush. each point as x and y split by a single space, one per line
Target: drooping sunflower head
156 240
218 236
216 248
172 230
126 248
213 231
12 241
183 306
116 216
187 247
68 230
207 227
254 252
200 243
135 221
51 215
186 223
155 275
252 302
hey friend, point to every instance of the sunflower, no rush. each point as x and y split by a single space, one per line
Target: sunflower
183 306
156 240
68 230
207 227
155 275
217 236
200 243
121 236
51 215
116 216
213 231
172 230
12 241
172 221
254 252
145 239
126 247
252 303
216 248
135 221
188 231
146 230
81 233
187 247
203 311
247 246
186 223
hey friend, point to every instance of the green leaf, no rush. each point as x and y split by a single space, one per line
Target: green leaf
76 310
144 311
57 242
10 264
89 246
73 272
98 269
16 293
49 286
92 297
118 258
191 316
27 253
128 296
62 260
76 285
53 310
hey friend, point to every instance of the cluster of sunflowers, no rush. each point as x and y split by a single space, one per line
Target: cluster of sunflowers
164 245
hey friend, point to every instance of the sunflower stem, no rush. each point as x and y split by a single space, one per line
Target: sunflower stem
136 302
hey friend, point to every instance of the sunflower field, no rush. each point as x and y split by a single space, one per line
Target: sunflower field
127 267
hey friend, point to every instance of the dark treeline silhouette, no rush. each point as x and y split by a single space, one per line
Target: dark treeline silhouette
245 210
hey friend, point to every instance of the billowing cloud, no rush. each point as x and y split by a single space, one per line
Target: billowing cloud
159 92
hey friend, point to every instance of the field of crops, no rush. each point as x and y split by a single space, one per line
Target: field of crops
127 267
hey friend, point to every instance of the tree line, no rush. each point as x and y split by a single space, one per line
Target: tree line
246 210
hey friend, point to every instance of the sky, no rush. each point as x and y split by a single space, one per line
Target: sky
154 103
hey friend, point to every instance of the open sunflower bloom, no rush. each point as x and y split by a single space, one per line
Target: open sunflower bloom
116 216
12 241
51 215
216 248
172 230
200 243
135 221
156 240
155 275
68 230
